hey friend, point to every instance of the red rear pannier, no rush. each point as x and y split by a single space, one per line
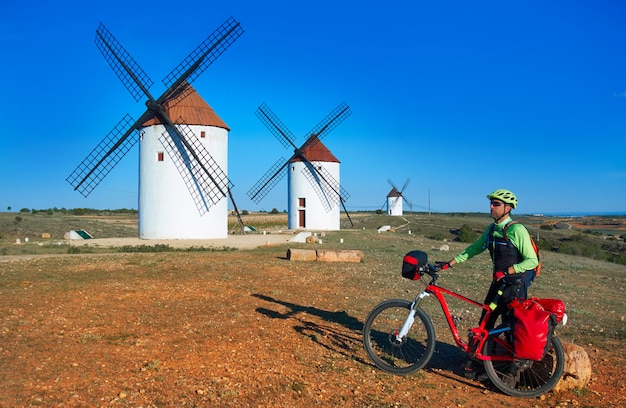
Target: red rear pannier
532 329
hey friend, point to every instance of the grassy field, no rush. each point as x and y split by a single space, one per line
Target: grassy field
594 290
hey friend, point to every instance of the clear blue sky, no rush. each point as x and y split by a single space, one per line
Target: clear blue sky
461 97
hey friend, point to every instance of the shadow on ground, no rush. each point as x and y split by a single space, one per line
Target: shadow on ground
447 360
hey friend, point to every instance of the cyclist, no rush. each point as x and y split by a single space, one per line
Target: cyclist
513 259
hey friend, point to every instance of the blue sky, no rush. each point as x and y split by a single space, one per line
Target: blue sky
459 97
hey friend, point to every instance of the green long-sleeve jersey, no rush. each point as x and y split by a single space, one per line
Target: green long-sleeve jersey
519 237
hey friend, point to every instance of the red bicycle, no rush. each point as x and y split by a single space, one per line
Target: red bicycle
399 337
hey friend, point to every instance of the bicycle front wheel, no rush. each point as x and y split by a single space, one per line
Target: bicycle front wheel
525 378
396 355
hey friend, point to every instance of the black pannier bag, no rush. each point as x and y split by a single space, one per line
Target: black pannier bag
412 263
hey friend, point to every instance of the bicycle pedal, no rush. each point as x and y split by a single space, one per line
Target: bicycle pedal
470 375
474 375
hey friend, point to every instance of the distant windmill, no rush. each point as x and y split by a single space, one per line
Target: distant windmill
314 192
395 199
180 123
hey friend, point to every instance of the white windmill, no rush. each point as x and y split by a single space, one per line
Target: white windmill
183 185
314 192
395 199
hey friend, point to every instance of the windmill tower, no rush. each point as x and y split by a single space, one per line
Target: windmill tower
395 199
183 185
314 192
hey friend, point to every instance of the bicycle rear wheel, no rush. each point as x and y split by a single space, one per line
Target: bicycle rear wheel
390 353
525 378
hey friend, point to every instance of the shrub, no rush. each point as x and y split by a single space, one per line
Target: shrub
467 234
437 235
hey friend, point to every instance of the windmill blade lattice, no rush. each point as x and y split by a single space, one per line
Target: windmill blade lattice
127 70
206 185
330 122
104 157
200 172
325 186
267 182
262 187
274 125
205 54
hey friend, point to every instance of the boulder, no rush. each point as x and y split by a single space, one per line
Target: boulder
577 371
301 254
328 255
339 256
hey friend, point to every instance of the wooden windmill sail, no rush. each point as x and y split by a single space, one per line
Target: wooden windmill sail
179 112
313 173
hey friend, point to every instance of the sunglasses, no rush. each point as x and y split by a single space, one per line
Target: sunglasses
496 203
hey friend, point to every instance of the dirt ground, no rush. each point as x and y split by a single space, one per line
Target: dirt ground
209 330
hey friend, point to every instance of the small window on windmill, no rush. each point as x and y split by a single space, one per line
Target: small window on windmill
202 134
160 156
302 202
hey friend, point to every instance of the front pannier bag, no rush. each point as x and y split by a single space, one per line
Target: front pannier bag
411 264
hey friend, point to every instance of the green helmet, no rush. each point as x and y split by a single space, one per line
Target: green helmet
505 196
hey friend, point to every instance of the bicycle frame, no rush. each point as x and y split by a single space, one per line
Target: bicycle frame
477 335
400 337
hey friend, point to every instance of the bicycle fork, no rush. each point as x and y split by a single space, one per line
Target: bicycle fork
400 335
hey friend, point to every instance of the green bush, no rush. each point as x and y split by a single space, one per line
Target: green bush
581 248
467 234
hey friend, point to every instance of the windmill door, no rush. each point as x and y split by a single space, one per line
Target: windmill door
301 219
301 212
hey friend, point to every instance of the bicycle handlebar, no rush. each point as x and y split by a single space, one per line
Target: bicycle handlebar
432 270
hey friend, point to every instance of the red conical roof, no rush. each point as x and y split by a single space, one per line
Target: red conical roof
187 104
315 150
394 193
